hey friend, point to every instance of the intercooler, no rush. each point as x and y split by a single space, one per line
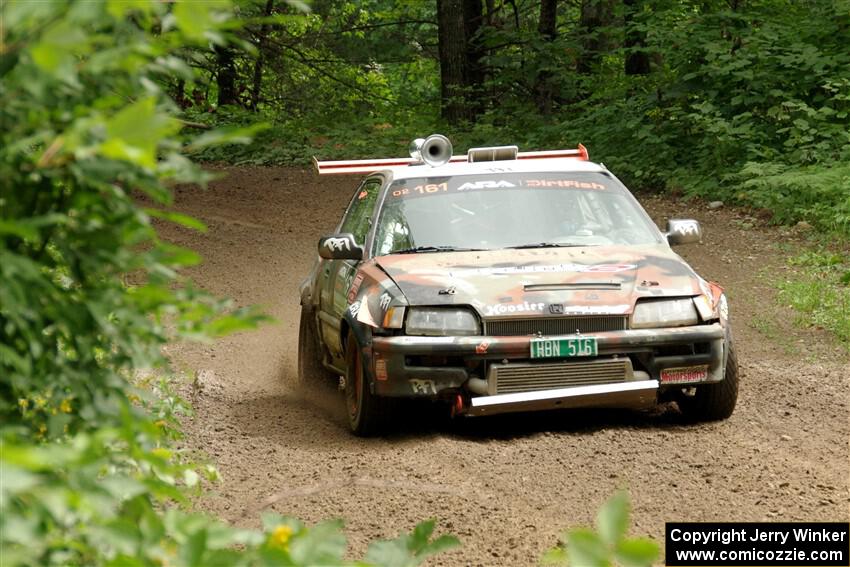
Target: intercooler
533 376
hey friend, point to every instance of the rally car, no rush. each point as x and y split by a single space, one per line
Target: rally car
503 281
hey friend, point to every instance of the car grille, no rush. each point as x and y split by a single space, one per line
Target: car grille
555 325
513 378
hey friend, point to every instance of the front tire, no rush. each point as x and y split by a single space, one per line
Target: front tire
367 413
311 371
714 402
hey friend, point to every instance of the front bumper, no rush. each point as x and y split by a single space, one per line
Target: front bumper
414 366
633 394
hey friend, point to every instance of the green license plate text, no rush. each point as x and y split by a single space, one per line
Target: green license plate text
555 348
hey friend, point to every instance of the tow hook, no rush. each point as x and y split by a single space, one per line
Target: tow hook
459 405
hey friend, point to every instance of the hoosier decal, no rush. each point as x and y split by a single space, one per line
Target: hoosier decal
505 308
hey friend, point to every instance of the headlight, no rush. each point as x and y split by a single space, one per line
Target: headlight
441 321
664 313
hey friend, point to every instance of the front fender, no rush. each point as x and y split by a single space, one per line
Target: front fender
361 334
307 287
370 295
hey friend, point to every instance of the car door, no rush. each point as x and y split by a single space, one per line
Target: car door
338 274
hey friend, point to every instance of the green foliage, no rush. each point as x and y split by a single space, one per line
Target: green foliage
88 147
606 546
87 501
90 292
818 287
814 193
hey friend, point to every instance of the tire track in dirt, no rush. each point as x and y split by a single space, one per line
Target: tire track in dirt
508 485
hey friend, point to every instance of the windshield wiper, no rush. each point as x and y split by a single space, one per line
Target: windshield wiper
418 249
549 245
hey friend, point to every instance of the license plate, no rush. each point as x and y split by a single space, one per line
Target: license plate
554 348
685 374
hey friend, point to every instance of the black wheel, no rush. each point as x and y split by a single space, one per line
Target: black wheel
367 413
311 371
714 402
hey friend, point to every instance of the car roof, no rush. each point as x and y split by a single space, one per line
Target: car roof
548 165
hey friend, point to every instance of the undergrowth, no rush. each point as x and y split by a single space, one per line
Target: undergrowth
818 288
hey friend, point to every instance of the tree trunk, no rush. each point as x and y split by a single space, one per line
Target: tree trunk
179 94
226 76
595 15
258 64
637 60
473 17
547 27
453 61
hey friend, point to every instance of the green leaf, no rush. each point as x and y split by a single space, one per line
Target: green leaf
299 5
442 543
192 552
586 549
178 218
56 51
8 61
118 8
177 256
613 518
220 136
421 534
322 544
393 553
555 556
20 229
639 552
15 480
134 133
195 18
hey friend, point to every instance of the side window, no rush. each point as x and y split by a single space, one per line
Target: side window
359 216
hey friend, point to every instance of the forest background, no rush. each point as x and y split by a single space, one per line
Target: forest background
745 101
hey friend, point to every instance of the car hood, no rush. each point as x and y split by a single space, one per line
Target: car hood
544 281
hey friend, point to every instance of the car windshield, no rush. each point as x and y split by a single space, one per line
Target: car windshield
505 210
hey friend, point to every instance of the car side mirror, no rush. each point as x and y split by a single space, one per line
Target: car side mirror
683 231
340 247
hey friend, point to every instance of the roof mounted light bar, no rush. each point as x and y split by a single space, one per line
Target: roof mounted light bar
475 155
496 153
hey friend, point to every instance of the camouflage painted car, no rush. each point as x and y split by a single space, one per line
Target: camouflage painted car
504 281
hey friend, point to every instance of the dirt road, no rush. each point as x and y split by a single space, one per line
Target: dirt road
506 486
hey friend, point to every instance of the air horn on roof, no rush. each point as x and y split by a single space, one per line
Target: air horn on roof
434 150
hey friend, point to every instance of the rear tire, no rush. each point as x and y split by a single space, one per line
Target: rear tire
311 371
368 414
714 402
